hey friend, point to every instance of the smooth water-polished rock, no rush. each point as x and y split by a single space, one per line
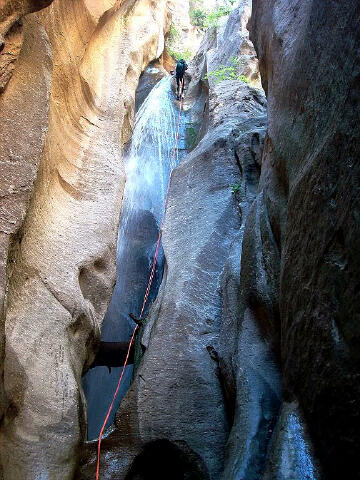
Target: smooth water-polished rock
64 268
250 366
24 109
147 166
291 455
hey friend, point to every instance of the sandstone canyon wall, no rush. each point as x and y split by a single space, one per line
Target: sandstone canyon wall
62 185
251 368
24 102
308 53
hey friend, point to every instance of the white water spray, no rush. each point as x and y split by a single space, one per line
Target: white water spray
148 165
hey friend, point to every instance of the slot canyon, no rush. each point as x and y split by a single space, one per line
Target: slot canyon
179 249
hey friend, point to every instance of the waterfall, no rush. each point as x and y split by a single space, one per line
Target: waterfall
147 165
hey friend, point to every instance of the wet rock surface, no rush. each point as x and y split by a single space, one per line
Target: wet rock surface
149 78
289 451
281 328
147 168
178 392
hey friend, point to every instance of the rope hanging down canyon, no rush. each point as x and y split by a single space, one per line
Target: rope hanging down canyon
147 291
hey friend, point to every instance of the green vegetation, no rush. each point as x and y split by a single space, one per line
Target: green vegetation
222 73
225 72
173 42
174 34
177 54
198 18
191 134
203 18
235 187
212 19
244 79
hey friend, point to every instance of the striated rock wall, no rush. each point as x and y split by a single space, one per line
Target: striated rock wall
308 53
24 110
62 266
12 33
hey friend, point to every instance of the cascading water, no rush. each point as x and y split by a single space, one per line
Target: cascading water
147 171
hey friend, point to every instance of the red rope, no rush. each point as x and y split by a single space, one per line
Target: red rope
148 288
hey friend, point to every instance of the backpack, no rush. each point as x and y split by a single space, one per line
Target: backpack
180 68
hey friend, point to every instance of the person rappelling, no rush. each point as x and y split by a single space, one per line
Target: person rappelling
181 67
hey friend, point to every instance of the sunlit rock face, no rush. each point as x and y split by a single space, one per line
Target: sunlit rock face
228 46
63 260
184 38
234 49
308 53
